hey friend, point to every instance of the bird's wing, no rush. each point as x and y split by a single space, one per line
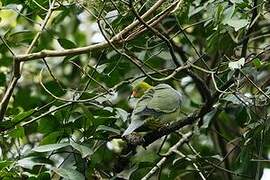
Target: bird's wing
142 103
134 124
158 100
136 118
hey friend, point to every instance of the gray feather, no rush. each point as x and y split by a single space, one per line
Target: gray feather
135 124
158 101
150 102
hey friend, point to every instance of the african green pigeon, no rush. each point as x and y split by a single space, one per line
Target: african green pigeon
156 106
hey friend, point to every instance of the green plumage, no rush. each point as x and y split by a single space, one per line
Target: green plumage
158 106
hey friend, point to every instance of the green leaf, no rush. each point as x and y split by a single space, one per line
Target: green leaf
6 2
4 164
121 113
237 64
208 117
239 99
54 87
17 132
84 150
44 176
6 125
30 162
30 128
68 173
19 117
228 13
193 11
50 147
257 63
236 1
2 79
48 124
242 116
101 68
66 44
106 128
51 138
237 23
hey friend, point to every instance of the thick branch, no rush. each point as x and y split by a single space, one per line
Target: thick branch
116 39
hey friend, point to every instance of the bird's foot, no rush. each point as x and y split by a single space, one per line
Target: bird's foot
134 138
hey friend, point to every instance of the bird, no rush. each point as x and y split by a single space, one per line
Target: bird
156 106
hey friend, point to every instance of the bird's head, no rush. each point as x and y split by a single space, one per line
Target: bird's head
139 89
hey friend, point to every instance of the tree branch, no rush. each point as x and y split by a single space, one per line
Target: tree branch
183 140
17 67
75 51
250 29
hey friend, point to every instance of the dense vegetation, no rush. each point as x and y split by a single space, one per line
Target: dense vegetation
67 68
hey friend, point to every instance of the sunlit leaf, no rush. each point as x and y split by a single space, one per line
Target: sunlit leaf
237 64
50 147
30 162
84 150
208 117
257 63
4 164
237 24
67 44
69 173
52 137
17 132
109 129
22 115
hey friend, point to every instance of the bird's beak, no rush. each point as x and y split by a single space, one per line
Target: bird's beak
131 95
134 94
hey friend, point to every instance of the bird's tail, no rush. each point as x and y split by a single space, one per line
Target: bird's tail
135 124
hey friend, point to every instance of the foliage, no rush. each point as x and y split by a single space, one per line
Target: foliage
66 73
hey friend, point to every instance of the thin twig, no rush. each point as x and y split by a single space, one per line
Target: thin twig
7 46
183 140
193 163
75 51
